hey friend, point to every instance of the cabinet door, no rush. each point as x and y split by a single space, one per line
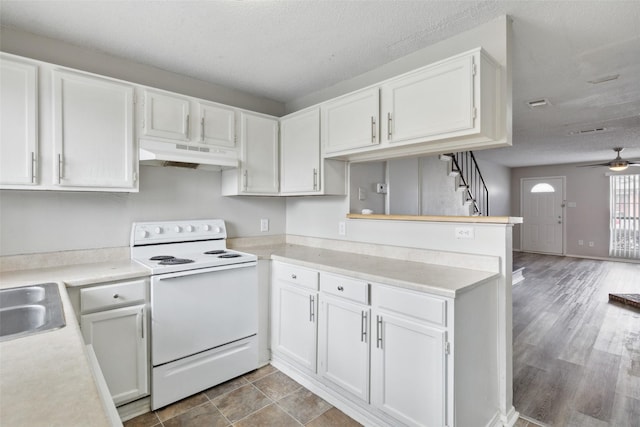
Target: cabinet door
18 122
437 100
119 340
408 370
294 330
93 132
300 152
343 345
351 121
166 116
217 125
259 138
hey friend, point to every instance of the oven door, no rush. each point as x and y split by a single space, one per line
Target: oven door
193 311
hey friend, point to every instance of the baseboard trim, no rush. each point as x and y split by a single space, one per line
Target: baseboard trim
510 419
135 408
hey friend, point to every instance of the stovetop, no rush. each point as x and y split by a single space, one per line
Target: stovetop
174 246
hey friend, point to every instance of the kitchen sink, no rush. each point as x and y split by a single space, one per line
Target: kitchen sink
30 309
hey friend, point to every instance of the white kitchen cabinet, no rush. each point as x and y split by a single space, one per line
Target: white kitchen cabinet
217 124
166 115
114 322
343 335
302 171
18 122
294 300
93 130
258 173
351 121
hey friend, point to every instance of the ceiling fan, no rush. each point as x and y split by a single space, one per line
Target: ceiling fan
618 164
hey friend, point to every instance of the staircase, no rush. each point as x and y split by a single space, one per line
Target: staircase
469 181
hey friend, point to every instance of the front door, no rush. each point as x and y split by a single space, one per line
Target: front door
542 202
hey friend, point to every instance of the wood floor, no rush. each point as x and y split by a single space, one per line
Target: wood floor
576 357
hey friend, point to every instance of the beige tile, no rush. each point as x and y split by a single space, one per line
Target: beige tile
226 387
271 416
333 418
277 385
259 373
303 405
145 420
241 402
181 406
201 416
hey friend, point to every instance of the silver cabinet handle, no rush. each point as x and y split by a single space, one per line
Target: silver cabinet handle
60 167
245 175
315 178
202 129
363 327
340 288
379 331
187 125
142 323
373 129
34 165
389 123
312 313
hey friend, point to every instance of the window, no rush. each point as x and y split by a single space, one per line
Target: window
543 187
625 216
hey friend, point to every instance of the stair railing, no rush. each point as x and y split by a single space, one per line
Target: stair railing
476 191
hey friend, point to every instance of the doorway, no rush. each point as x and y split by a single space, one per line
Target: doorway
541 204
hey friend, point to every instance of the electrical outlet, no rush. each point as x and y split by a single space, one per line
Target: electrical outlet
465 233
264 224
591 244
580 242
342 228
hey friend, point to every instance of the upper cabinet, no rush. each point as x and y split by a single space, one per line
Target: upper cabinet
19 122
455 104
166 116
302 171
93 130
258 172
351 121
217 124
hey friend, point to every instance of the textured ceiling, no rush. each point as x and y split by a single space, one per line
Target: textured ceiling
284 50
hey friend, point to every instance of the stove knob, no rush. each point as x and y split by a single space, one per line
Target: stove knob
143 234
158 230
178 229
217 229
206 227
189 228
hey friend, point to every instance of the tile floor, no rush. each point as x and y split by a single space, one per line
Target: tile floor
262 398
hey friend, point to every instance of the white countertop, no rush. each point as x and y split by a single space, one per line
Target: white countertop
45 378
436 279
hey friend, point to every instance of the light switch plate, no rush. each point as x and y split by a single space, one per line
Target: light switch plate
342 228
264 224
465 233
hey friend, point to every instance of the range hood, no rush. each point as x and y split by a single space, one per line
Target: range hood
159 153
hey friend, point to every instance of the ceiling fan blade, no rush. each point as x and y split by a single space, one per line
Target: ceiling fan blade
594 164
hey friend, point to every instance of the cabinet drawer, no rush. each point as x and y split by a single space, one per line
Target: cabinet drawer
108 296
410 303
353 289
296 275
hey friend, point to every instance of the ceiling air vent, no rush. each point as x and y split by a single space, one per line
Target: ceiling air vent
538 103
587 131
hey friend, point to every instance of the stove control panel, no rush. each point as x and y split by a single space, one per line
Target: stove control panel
146 233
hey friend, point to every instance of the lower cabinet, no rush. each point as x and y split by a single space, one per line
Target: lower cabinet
119 336
386 355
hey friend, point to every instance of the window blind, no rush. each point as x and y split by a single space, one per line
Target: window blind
625 216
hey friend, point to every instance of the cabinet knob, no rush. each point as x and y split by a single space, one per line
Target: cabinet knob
116 296
293 276
340 288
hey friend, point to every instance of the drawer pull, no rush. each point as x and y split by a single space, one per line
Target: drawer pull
294 277
363 327
312 311
116 296
340 288
379 331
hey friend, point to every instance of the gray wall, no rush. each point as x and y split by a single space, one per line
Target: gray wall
589 220
45 221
